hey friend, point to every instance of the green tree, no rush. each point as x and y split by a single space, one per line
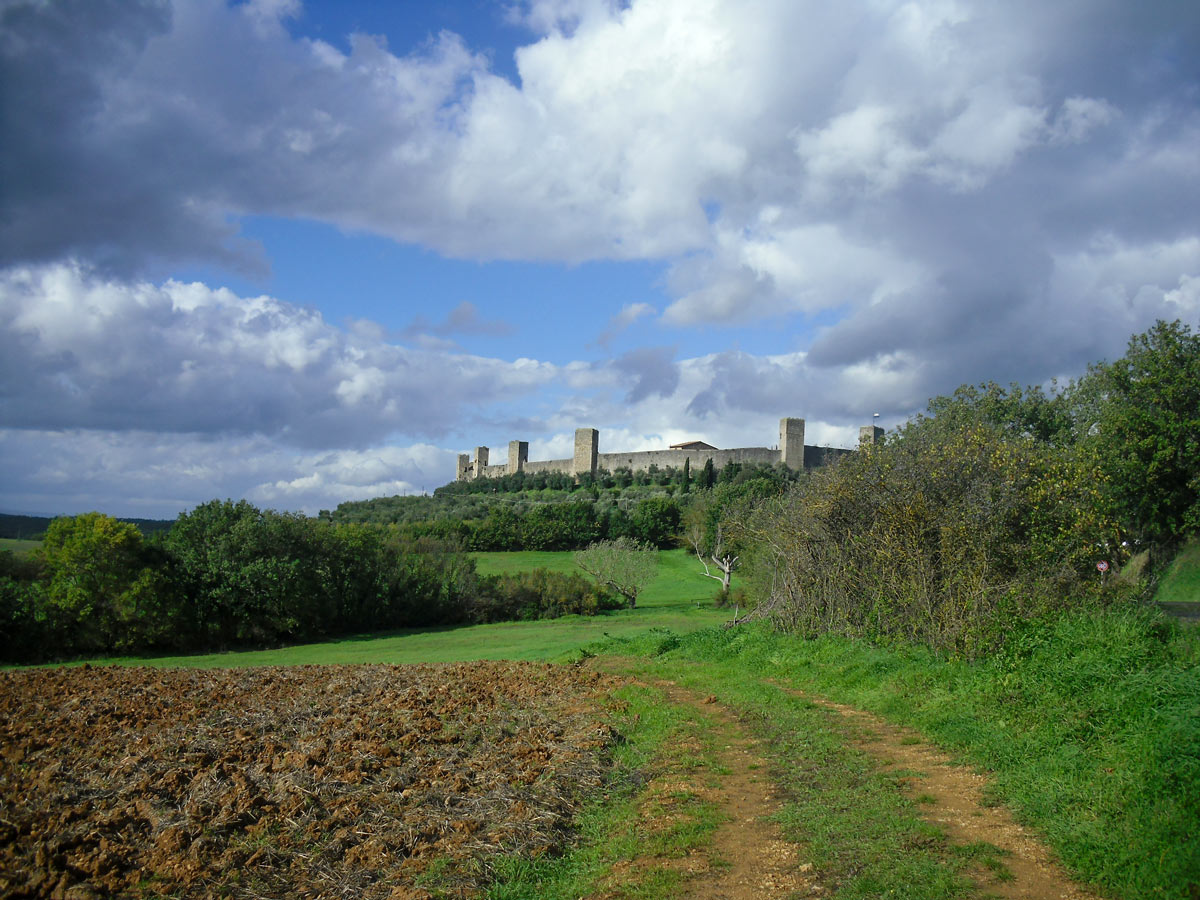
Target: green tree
99 585
622 565
1140 416
655 521
714 524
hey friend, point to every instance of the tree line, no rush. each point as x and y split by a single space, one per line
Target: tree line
228 574
993 507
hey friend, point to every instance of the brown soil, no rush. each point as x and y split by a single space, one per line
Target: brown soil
299 782
952 796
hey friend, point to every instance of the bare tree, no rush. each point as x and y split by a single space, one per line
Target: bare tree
622 565
714 547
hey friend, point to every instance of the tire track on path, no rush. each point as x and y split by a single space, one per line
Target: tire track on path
952 797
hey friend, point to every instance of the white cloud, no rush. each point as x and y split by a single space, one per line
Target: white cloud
629 314
99 352
655 129
151 475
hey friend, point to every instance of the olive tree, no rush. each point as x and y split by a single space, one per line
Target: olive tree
622 565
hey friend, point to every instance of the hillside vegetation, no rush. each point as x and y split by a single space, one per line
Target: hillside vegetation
551 511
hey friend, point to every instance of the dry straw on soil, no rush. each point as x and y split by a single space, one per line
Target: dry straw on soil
318 780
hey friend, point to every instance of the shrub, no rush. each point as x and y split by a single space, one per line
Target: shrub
538 594
941 537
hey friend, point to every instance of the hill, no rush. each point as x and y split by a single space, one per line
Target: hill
32 527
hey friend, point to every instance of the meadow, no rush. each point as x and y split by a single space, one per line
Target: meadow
19 545
680 599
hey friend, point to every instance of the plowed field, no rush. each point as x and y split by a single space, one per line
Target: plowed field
309 781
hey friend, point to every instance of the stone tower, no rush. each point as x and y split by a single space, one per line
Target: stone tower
518 455
791 443
587 449
869 435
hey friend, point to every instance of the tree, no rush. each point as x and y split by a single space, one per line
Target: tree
622 565
98 582
707 476
656 521
705 531
1141 417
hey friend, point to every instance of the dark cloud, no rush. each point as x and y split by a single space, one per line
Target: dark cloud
653 371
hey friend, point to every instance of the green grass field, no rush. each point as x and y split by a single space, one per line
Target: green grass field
679 599
18 546
1181 583
1087 726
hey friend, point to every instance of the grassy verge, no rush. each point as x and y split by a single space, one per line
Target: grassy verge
627 838
1090 727
1181 583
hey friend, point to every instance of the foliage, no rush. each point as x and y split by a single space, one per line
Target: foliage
655 521
940 536
623 565
715 525
100 583
551 511
229 574
1140 417
538 594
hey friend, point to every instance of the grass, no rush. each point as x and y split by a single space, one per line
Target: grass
680 581
19 546
679 599
1089 725
626 836
1181 583
862 835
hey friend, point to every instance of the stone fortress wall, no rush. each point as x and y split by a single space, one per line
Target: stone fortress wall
587 458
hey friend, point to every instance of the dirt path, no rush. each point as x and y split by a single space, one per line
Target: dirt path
758 862
952 797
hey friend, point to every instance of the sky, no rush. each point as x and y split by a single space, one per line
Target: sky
308 252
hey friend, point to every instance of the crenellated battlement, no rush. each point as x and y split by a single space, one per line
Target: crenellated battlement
587 458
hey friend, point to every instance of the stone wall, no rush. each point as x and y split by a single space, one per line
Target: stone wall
792 452
640 460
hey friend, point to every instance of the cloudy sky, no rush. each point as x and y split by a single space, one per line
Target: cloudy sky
308 252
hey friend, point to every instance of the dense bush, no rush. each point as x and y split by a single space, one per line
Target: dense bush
993 508
941 538
539 594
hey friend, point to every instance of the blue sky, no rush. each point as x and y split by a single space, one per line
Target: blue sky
308 252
